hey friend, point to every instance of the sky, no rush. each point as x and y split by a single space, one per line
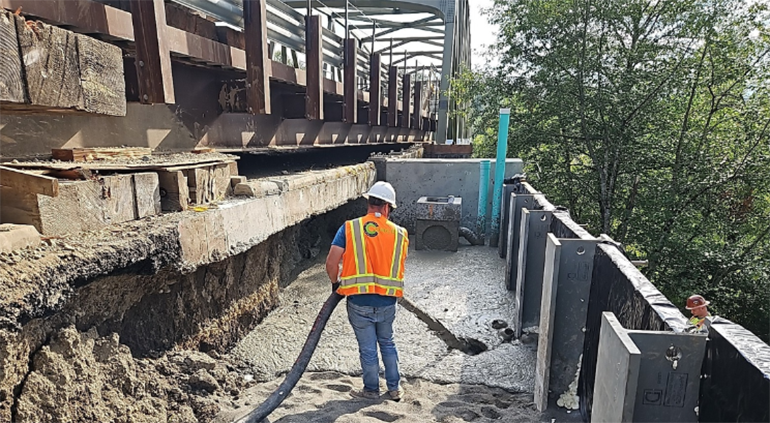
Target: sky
482 33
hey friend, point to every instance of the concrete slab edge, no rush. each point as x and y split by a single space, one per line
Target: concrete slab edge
185 241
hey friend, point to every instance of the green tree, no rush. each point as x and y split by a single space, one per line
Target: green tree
649 120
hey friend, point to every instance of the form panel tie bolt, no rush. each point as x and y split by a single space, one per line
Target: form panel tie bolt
141 63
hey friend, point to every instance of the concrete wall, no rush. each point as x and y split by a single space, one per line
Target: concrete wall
415 178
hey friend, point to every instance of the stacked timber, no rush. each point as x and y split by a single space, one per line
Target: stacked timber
46 68
57 208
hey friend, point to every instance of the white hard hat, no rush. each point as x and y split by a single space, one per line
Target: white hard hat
384 191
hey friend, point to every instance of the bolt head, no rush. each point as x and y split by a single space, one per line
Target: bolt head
146 97
141 63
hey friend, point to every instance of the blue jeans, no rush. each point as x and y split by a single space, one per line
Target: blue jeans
374 325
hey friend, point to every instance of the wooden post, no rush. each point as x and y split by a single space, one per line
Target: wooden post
375 89
153 60
314 97
417 115
257 59
393 96
407 96
351 88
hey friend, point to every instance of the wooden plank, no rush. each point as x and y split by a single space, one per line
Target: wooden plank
85 16
417 118
393 96
174 193
314 88
375 89
92 154
220 181
196 166
350 95
233 167
231 37
180 17
407 95
258 63
199 183
120 201
11 80
185 44
101 76
29 182
51 65
147 194
19 207
153 60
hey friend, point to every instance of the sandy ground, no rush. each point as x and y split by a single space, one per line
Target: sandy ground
462 290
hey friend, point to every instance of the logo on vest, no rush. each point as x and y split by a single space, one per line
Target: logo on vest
371 229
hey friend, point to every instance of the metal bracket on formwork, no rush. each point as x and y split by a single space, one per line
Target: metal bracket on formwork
653 376
516 203
566 287
533 233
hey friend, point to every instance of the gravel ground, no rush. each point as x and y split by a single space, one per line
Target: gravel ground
464 291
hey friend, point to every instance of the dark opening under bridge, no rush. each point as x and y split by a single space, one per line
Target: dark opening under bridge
245 74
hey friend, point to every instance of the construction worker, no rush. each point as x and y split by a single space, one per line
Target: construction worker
698 308
372 250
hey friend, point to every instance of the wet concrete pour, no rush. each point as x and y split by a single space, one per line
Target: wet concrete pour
463 290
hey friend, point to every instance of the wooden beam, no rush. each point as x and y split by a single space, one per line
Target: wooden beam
314 94
407 94
258 63
84 16
29 182
393 96
185 44
375 89
153 59
350 95
417 115
11 74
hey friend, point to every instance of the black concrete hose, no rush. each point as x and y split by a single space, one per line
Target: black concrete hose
280 394
471 236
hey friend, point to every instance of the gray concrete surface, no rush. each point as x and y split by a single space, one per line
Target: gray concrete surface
415 178
464 290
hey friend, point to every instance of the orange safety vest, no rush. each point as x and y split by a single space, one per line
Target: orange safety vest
373 261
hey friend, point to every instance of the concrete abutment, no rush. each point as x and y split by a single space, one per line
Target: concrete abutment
192 280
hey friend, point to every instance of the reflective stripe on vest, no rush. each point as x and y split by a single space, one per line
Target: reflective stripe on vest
364 274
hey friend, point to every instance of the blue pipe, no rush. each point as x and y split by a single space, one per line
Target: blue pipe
502 150
481 219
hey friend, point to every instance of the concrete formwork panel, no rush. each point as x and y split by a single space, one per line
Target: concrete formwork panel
517 202
566 286
646 376
618 376
550 285
669 376
502 243
535 225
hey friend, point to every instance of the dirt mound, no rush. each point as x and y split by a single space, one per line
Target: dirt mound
81 377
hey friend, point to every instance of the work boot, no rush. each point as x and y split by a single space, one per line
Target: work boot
395 395
363 393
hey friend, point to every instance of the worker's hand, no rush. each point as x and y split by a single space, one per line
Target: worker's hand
335 286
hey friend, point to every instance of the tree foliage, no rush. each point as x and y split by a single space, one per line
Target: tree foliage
649 120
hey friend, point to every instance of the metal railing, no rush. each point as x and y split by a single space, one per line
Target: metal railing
286 30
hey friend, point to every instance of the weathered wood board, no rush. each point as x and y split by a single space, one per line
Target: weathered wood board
98 154
46 68
83 205
29 182
11 81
